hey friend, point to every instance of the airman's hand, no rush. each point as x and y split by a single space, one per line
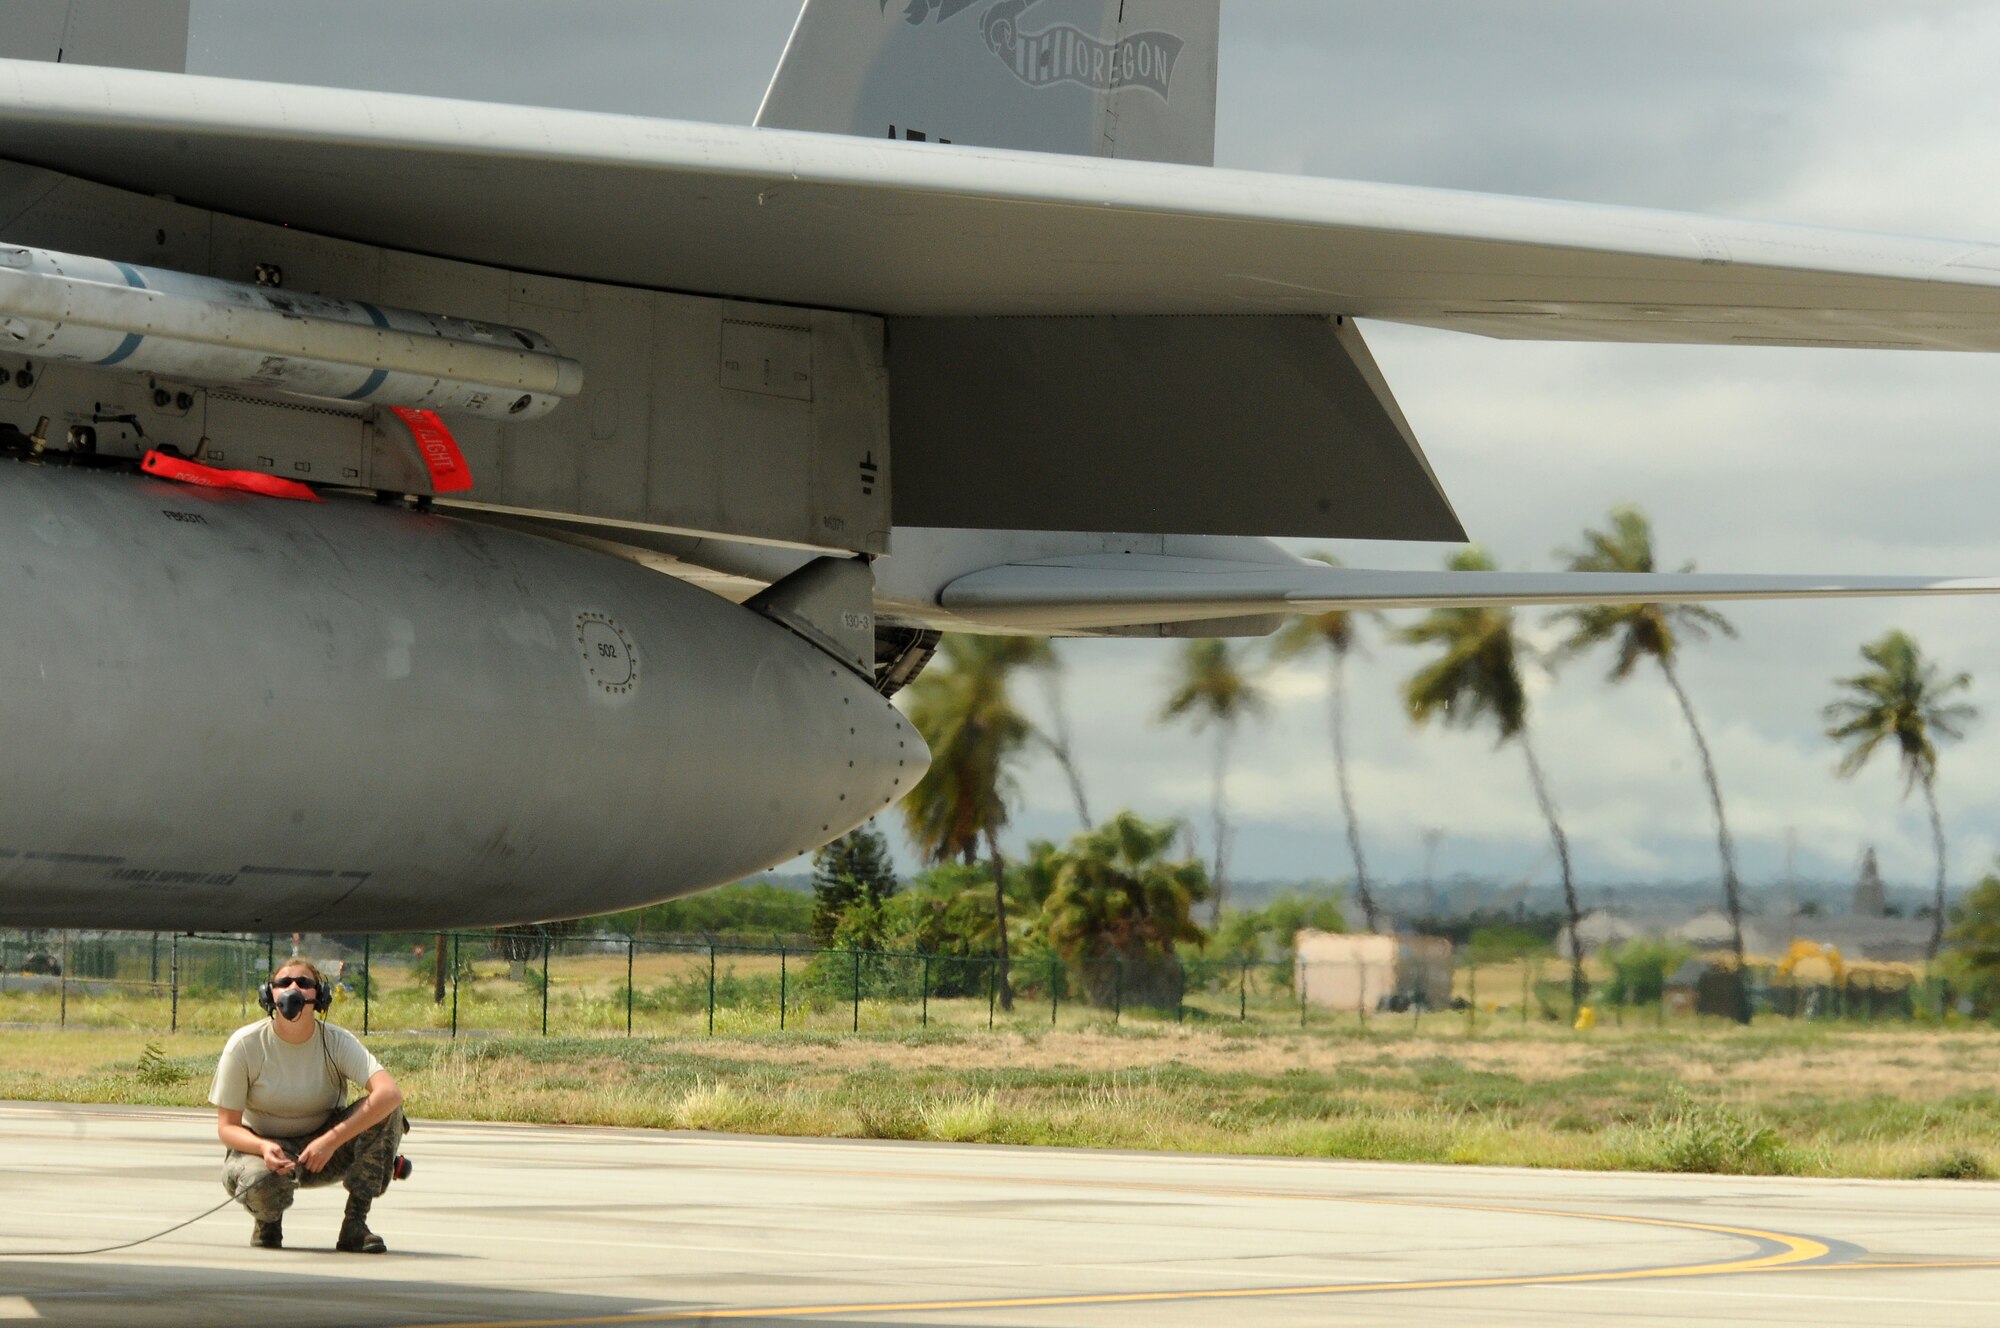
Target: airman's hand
276 1159
315 1155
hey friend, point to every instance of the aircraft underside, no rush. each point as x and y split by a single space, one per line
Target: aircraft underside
231 711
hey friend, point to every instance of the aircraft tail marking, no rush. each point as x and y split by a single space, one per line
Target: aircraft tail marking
1106 78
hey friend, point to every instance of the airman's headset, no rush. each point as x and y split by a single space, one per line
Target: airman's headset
322 1001
267 1001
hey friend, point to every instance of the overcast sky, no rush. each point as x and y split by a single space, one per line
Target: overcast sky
1831 112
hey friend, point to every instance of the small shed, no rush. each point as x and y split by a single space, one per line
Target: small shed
1684 986
1336 971
1703 986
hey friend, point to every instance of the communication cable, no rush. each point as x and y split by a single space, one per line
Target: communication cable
122 1245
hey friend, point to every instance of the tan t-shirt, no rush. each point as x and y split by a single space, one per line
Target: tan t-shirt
285 1090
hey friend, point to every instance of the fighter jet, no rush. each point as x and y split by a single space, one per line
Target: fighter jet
424 512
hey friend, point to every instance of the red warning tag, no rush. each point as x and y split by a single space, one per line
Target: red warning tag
449 473
209 477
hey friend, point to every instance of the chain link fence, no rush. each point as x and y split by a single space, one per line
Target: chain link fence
521 982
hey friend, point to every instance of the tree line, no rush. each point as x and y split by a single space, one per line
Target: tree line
1118 888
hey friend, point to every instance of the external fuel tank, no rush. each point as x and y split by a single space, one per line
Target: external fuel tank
224 711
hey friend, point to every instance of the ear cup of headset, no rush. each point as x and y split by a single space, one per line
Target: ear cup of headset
323 997
265 1001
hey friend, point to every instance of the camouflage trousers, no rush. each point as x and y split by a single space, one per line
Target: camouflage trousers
365 1164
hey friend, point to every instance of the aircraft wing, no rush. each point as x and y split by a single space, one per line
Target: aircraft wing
928 230
1118 590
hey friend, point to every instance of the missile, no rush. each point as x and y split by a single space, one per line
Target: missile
112 315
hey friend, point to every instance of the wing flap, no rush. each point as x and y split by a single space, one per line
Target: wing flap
1136 425
1125 590
928 230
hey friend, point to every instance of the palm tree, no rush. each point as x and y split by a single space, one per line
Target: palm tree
1057 737
1655 631
1478 677
1211 691
1119 897
1336 632
1902 699
975 734
1039 654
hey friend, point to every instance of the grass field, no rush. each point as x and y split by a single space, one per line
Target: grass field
1779 1098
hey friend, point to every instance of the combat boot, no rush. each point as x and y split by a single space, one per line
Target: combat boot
355 1237
268 1235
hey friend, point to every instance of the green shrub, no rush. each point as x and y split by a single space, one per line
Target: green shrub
1640 968
1703 1137
1964 1164
157 1069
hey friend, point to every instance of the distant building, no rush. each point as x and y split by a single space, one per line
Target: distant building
1599 928
1348 972
1709 930
1888 940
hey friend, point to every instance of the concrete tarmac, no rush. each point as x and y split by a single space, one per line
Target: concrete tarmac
519 1225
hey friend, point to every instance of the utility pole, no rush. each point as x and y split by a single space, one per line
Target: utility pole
1433 834
1791 885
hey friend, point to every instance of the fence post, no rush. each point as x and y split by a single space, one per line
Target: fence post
857 986
545 980
711 988
174 982
1243 990
367 979
454 984
154 978
62 982
1118 992
1055 992
784 956
631 953
927 991
1180 990
1299 976
991 990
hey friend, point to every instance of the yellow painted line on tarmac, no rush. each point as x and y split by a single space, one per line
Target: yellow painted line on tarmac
1894 1266
1792 1249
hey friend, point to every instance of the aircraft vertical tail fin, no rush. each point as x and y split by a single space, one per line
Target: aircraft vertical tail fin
129 35
1106 78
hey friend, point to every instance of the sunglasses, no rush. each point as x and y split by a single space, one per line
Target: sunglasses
295 982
